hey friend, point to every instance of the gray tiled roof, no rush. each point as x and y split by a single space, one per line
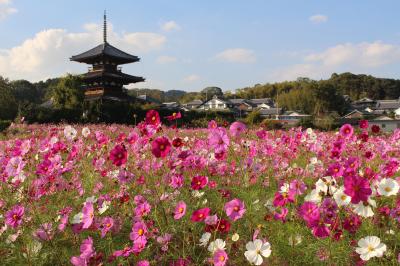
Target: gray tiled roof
387 104
271 111
108 50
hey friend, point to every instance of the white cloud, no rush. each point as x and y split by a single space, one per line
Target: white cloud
237 55
362 57
191 78
165 59
318 18
170 26
47 53
6 10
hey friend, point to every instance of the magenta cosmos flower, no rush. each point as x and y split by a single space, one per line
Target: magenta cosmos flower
237 128
235 209
363 124
152 118
199 182
14 216
346 130
119 155
88 215
180 210
160 147
220 258
87 251
357 188
106 224
200 214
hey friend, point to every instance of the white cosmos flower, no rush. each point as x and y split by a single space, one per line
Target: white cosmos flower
204 239
284 188
85 132
365 209
216 245
270 205
77 219
235 237
388 187
70 132
197 194
104 206
295 240
256 250
341 198
313 196
91 199
369 247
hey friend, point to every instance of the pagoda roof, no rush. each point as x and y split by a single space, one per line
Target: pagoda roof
125 78
105 50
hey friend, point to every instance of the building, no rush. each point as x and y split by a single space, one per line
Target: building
363 103
216 103
192 105
264 103
105 80
271 113
387 105
293 116
386 123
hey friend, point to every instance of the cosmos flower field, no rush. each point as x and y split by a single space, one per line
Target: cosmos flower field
222 195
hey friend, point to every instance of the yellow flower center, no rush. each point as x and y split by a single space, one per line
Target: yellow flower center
140 232
221 258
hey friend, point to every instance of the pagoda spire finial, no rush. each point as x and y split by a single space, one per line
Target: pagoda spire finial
105 27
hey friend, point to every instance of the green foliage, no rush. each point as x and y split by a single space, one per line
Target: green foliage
270 124
253 118
8 104
68 93
4 124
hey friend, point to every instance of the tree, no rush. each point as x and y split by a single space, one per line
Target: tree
209 92
67 93
8 104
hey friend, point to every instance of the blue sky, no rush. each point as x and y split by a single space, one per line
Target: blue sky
193 44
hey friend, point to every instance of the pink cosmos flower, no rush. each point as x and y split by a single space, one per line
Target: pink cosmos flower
200 214
212 124
138 234
119 155
220 258
126 252
87 252
143 263
234 209
15 166
281 215
335 170
160 147
88 215
237 128
106 225
309 211
319 228
199 182
363 124
358 188
153 118
14 216
44 232
176 181
280 199
180 210
174 116
218 139
346 130
142 209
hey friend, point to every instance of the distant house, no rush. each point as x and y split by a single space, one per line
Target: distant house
397 113
216 103
243 105
193 104
170 106
147 99
271 113
386 123
363 103
293 116
387 105
264 103
356 114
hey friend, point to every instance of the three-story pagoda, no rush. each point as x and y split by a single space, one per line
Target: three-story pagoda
105 80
